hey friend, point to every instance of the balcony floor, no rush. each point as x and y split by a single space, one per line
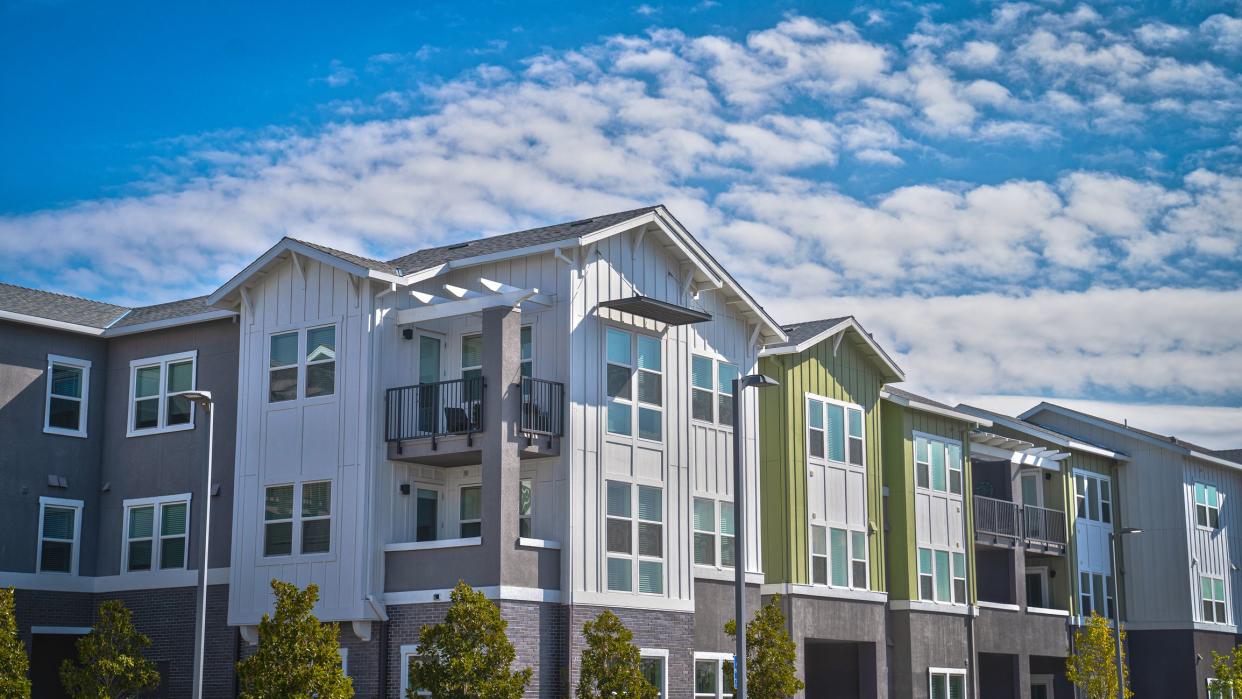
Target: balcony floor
465 450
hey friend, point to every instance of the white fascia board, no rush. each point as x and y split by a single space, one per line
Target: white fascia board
1122 430
49 323
288 244
217 314
936 409
847 324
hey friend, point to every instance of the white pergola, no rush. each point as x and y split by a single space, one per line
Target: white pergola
1015 450
457 301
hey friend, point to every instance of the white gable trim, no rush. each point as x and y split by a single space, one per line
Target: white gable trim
278 250
935 409
847 324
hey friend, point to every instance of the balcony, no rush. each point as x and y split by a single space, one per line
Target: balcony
1006 524
443 423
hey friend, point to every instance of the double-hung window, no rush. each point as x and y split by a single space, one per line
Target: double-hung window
60 530
1095 592
1207 506
938 465
156 533
635 384
713 676
635 514
470 512
713 533
947 683
942 576
1212 594
835 432
310 350
1093 497
68 384
297 518
711 390
156 386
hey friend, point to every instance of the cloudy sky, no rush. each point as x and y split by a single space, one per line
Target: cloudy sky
1019 199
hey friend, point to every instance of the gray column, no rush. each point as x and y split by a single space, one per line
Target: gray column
502 372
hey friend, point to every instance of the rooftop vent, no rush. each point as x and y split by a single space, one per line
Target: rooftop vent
456 246
575 224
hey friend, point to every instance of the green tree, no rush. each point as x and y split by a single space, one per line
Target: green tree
771 655
14 664
468 656
110 663
611 664
1228 671
297 656
1092 667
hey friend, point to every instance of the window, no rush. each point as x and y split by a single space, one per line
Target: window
1212 592
68 384
426 514
156 533
713 675
314 508
1207 506
654 666
635 385
1095 591
60 528
622 528
819 555
409 659
712 517
1216 690
155 385
527 352
287 355
838 557
828 421
701 388
858 560
470 512
1093 496
726 374
526 494
946 683
942 576
472 366
938 464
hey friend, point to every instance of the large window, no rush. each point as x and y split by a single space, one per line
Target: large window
938 465
1212 594
156 386
836 493
635 384
947 683
68 384
827 436
1095 593
311 351
711 390
308 518
713 676
838 557
635 514
156 533
713 533
1093 497
1207 506
60 530
942 576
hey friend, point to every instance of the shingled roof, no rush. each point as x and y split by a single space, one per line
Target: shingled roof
801 332
165 311
58 307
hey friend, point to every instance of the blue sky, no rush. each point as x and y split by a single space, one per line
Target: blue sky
1022 199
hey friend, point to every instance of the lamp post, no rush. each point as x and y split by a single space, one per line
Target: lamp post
204 401
739 525
1112 550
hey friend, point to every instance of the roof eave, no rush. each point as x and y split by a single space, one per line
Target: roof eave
1047 434
935 409
50 323
205 317
895 373
225 294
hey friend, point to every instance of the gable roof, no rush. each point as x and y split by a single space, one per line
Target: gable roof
1234 455
913 400
803 336
1021 424
89 317
1166 441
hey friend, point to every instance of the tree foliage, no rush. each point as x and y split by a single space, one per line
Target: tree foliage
468 656
110 664
771 655
1092 667
297 656
14 665
1227 669
611 663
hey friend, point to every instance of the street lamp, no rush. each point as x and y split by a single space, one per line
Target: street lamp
203 400
1112 550
739 525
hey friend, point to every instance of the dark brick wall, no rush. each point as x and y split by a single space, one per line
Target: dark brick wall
166 616
673 631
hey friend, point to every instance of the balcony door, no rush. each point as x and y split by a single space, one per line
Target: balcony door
1032 490
429 351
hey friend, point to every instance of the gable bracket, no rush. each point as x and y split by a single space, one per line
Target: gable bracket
836 342
297 264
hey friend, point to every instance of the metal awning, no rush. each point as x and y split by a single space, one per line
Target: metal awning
663 311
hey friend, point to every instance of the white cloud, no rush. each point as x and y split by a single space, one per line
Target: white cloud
1224 32
975 54
339 74
1160 34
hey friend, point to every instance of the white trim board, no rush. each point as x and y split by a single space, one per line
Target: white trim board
110 330
847 324
934 409
499 592
145 580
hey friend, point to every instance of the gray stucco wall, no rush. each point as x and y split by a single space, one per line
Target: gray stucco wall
819 626
28 455
175 462
921 640
713 606
1165 663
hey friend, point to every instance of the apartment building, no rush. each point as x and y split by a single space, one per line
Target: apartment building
548 416
1178 575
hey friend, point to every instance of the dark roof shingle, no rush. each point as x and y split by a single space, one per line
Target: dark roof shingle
801 332
165 311
58 307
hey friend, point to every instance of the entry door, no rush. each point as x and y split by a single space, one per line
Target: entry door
429 347
47 652
1037 587
1032 492
427 513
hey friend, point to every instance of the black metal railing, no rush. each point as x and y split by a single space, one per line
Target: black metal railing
996 517
543 407
1043 525
434 409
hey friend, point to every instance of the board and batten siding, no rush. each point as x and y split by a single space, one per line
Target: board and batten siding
1210 548
849 376
691 459
318 438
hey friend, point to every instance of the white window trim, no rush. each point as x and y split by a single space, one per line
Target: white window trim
1211 683
718 508
1046 581
299 394
951 602
529 482
344 653
635 405
156 530
947 672
718 658
948 468
634 556
408 651
461 521
827 524
1220 502
438 489
77 505
1047 681
163 362
295 537
1104 484
1224 589
662 654
806 398
85 366
716 360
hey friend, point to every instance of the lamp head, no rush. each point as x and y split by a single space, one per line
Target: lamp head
199 398
1131 530
758 381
